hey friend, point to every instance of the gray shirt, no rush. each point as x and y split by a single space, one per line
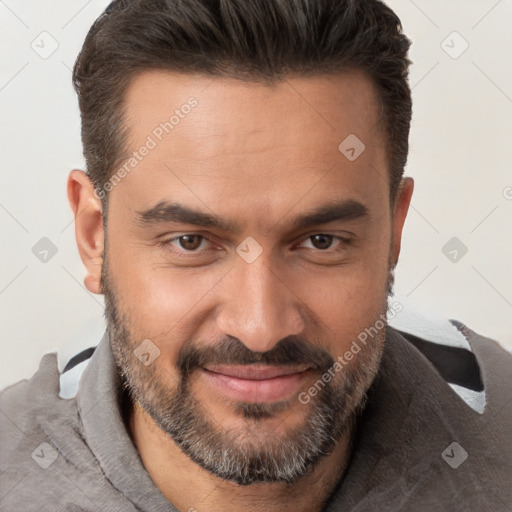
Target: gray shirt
419 445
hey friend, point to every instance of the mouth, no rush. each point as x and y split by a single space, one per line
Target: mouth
256 383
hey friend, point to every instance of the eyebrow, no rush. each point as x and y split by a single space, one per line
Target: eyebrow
165 212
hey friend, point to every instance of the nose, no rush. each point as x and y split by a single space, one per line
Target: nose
258 306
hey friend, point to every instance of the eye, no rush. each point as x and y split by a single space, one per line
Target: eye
193 243
189 243
322 241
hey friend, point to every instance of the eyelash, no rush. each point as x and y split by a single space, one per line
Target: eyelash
183 252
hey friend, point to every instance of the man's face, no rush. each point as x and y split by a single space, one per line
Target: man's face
248 313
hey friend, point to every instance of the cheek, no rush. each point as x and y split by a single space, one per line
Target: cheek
160 303
347 301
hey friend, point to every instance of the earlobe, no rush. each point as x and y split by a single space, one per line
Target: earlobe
401 208
89 234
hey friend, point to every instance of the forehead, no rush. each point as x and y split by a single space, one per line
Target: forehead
316 105
251 141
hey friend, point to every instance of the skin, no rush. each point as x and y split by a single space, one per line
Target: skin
257 156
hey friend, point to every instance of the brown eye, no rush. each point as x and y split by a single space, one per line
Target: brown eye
321 241
190 242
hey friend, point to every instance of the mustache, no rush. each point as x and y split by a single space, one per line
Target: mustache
292 350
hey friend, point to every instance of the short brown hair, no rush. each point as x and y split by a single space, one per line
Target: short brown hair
257 40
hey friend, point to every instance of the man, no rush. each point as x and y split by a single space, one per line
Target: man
242 214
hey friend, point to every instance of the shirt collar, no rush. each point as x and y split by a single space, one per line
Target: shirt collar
99 401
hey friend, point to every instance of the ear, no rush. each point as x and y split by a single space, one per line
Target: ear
401 207
89 233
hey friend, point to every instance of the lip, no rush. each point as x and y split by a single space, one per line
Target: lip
256 383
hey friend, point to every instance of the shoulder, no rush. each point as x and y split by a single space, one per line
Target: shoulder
23 402
46 460
476 367
32 410
437 426
35 424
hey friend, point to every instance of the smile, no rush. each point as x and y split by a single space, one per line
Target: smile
256 383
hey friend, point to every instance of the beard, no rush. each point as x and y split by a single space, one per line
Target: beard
252 452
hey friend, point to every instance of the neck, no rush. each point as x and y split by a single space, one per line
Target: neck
190 488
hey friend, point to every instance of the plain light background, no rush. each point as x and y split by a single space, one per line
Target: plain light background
459 157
